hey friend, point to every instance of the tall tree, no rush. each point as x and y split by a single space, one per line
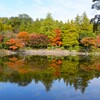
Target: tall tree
78 23
4 26
57 40
69 35
96 19
21 23
15 23
86 27
47 26
37 25
26 23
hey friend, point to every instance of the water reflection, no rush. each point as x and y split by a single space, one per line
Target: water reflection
75 71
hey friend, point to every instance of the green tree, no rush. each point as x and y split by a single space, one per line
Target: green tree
20 23
26 23
70 36
37 25
4 26
22 27
47 26
1 26
78 22
86 29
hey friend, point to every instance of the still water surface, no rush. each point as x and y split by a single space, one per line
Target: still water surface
49 78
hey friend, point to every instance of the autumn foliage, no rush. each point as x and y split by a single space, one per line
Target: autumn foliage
57 40
17 65
38 40
98 41
93 66
1 38
14 44
24 36
56 64
88 41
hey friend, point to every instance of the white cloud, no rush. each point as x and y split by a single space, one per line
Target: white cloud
60 9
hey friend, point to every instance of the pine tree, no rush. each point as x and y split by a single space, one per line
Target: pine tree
70 35
37 25
47 26
96 19
86 27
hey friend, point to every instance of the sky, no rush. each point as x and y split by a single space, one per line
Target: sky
60 9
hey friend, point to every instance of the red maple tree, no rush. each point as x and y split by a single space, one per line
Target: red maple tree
57 40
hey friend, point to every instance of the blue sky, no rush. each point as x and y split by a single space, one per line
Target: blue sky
60 9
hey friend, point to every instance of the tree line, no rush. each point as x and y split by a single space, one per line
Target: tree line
24 32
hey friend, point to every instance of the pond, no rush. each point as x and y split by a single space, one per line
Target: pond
49 78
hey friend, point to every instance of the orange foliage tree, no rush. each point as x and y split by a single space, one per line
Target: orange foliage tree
14 44
24 36
88 42
57 40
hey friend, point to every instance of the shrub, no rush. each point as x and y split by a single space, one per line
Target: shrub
24 36
14 44
38 41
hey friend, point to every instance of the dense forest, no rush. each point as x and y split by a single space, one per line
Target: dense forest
22 32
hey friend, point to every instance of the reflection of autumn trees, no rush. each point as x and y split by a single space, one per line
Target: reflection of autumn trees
17 65
1 69
72 70
97 65
71 74
94 65
56 64
30 64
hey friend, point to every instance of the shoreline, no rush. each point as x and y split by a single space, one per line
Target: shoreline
45 52
4 52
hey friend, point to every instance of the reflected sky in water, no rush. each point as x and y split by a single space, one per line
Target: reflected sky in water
59 91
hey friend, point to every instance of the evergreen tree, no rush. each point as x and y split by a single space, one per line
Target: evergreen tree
78 23
96 19
86 29
22 27
37 26
70 36
47 26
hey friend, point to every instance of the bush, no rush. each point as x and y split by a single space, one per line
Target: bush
24 36
14 44
38 41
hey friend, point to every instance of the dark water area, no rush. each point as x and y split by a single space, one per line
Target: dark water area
49 78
